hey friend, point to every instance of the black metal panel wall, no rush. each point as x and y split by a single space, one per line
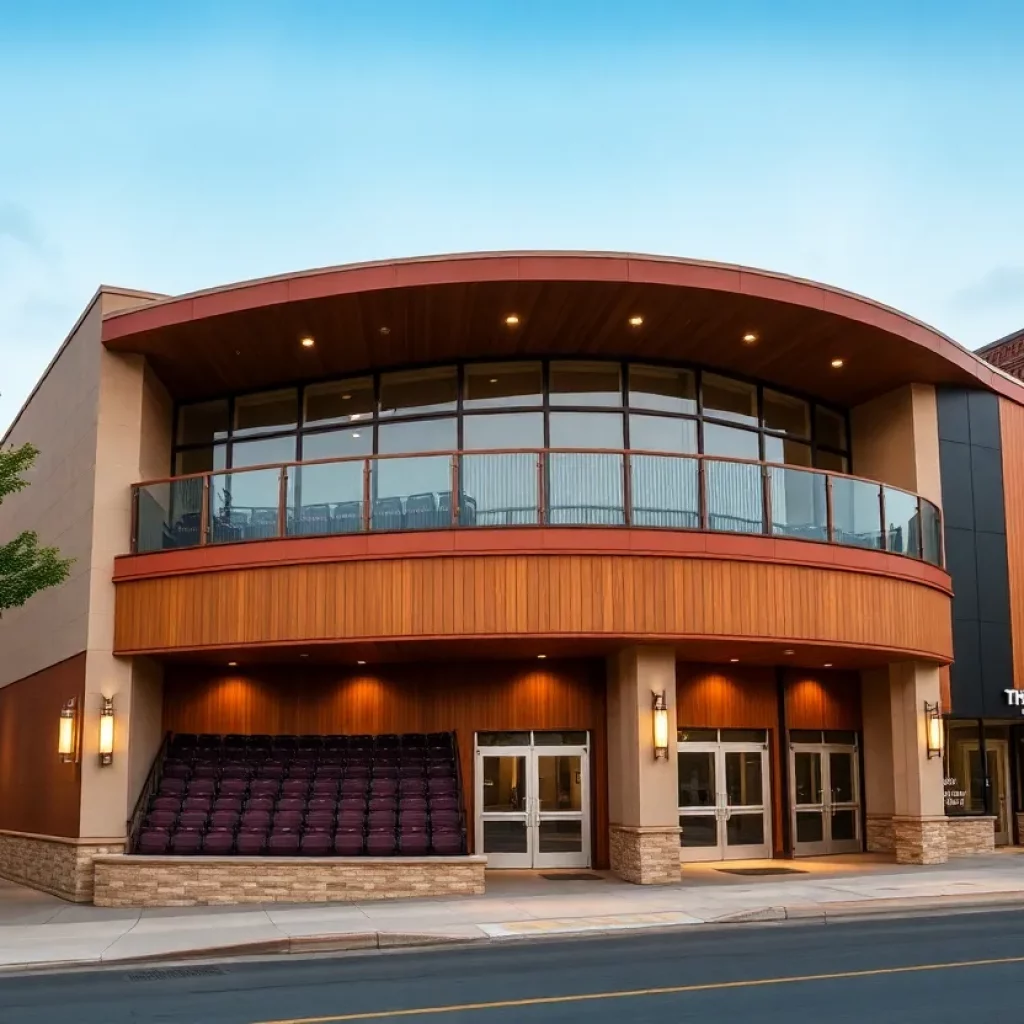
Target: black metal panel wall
975 532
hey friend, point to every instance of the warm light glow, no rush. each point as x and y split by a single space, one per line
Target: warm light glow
750 337
385 330
635 321
66 733
837 364
107 731
307 342
935 733
734 660
542 656
660 711
788 651
232 664
345 398
303 655
494 380
828 664
512 320
360 662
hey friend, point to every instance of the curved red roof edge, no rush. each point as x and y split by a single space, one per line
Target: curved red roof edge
465 268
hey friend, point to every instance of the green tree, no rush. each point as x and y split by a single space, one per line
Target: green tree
25 567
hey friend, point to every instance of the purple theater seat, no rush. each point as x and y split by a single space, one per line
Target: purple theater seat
192 819
228 803
197 803
287 819
384 787
176 770
414 843
320 821
224 819
445 820
167 803
381 844
321 803
264 787
317 844
295 787
283 843
382 803
408 784
385 771
291 803
170 787
327 770
205 771
255 820
219 842
444 802
260 803
234 787
153 840
251 844
324 791
446 844
201 787
186 843
377 821
161 819
270 770
348 842
352 820
412 817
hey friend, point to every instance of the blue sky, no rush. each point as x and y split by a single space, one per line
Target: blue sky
874 146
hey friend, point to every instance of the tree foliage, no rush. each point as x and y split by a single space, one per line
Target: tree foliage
25 567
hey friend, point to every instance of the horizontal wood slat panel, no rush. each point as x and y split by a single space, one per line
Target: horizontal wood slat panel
465 697
540 595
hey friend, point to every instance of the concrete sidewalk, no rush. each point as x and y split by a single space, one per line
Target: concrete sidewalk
37 929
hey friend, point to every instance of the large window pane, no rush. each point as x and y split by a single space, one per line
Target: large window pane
658 387
244 505
503 430
585 488
494 385
730 443
902 523
727 399
963 769
782 449
266 412
786 414
829 428
203 423
662 434
499 489
581 383
337 444
267 452
328 497
341 401
418 436
931 532
201 460
586 430
411 493
418 391
856 514
798 503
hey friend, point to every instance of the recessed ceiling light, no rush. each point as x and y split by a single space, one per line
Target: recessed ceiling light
360 662
303 655
542 656
307 342
788 651
828 664
232 664
385 330
750 337
345 398
636 321
512 320
494 380
837 364
734 660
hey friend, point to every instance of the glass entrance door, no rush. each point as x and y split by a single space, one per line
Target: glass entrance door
997 757
724 801
826 798
533 803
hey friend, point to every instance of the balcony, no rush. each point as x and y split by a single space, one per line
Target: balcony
551 487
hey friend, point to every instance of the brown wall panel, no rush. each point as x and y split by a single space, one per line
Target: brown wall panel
535 595
822 700
39 793
1011 424
460 696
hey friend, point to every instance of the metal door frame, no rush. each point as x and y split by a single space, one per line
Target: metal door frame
827 805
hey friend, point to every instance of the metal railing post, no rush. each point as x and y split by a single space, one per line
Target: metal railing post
541 489
282 502
766 500
702 493
627 488
830 524
454 483
881 513
204 511
366 496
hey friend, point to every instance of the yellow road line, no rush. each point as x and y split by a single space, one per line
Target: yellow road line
634 993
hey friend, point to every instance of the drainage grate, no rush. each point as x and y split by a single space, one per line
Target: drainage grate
574 876
166 973
762 871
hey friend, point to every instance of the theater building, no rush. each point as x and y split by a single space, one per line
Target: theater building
390 574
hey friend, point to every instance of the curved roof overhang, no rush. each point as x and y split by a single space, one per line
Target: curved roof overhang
374 316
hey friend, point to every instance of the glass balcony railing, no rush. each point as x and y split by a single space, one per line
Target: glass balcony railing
529 488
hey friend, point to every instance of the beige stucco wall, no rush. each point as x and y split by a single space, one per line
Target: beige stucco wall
876 715
895 439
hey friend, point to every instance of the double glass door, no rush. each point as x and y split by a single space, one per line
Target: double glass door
825 785
724 800
997 754
533 802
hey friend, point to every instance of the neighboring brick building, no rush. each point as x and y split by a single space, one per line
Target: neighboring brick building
1006 353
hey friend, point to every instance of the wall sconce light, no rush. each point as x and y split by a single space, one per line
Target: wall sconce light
660 726
107 731
67 736
933 725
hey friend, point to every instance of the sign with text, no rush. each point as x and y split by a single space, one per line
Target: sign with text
1015 699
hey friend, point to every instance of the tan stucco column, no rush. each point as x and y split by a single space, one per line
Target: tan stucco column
902 785
642 791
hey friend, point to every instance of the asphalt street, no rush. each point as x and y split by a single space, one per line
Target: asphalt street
930 969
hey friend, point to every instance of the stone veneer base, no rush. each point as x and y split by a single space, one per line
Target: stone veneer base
920 840
645 855
878 836
63 867
970 836
137 881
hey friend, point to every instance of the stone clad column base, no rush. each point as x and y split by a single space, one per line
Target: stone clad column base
645 854
63 867
970 836
1020 827
920 840
878 836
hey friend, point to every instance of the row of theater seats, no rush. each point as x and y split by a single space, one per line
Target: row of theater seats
318 796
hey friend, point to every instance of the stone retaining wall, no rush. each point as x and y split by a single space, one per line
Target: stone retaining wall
134 881
920 840
879 836
56 865
645 855
970 836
